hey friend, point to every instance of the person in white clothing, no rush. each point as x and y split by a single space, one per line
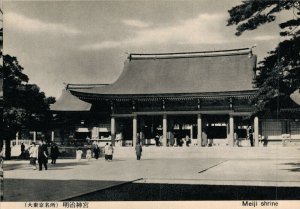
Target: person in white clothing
33 153
106 151
88 154
78 154
110 152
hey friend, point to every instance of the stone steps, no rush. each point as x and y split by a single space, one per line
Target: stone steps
211 152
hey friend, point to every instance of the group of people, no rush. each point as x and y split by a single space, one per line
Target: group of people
108 152
172 141
88 155
40 153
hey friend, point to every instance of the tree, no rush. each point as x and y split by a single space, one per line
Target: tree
279 72
25 106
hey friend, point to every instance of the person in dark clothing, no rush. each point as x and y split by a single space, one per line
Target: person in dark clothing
178 141
138 151
54 153
251 138
210 136
157 140
22 156
43 155
96 152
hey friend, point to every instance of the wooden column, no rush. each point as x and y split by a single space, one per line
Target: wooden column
164 136
134 130
52 136
113 130
231 131
34 136
17 138
199 129
256 131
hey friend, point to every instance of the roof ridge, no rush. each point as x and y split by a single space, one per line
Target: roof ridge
82 86
187 54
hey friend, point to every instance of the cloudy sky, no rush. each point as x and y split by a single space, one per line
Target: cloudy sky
87 41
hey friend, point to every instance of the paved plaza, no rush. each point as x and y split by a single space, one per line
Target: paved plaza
276 167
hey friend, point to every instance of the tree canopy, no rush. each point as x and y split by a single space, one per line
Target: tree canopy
278 74
25 106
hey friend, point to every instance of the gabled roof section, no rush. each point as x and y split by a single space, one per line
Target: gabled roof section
180 73
295 96
68 102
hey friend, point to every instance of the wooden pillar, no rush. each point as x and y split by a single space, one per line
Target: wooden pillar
95 133
52 136
231 131
113 130
164 136
256 131
134 130
34 136
199 129
17 138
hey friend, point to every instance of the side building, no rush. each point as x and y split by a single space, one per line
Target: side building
166 98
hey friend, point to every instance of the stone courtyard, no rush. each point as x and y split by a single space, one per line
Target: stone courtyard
221 166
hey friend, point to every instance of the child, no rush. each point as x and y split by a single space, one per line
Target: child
88 154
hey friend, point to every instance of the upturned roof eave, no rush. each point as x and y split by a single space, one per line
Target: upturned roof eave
166 95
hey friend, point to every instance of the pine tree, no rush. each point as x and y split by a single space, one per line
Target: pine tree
278 75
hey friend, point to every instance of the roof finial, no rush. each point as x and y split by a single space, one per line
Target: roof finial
250 50
66 85
128 56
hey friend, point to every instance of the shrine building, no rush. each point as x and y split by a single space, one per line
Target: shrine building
198 95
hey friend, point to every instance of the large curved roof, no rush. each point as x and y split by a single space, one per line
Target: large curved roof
68 102
188 73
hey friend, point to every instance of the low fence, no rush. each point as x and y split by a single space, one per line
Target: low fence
70 152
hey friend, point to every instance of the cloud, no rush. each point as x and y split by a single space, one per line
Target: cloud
203 29
265 37
30 25
135 23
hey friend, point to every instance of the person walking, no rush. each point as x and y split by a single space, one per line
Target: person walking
106 151
250 136
96 151
138 151
42 155
33 154
110 152
22 155
54 153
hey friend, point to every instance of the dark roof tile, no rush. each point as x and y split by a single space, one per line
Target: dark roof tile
194 74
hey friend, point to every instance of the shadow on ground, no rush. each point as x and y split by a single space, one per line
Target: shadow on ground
295 166
56 166
164 192
51 190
